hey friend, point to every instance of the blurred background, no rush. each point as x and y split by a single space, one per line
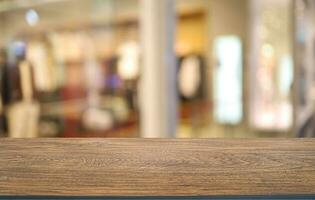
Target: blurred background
157 68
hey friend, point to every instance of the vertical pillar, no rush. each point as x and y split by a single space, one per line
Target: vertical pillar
158 94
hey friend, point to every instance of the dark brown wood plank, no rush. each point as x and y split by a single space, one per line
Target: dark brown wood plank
157 167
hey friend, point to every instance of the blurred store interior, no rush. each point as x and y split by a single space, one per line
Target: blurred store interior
157 68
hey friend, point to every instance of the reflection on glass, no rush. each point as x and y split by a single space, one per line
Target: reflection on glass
228 80
272 113
273 78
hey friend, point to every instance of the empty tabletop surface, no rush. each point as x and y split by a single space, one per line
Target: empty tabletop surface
157 167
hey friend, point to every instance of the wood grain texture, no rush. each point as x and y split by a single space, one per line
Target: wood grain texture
157 167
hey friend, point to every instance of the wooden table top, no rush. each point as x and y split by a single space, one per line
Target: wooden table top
157 167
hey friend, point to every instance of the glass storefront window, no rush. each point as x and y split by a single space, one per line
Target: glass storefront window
272 78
